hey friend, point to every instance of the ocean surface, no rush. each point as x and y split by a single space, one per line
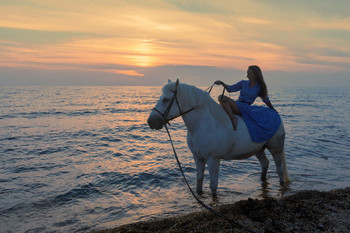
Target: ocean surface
77 159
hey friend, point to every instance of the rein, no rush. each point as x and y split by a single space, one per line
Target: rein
211 87
232 223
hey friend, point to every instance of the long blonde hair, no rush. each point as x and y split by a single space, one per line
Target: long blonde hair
260 79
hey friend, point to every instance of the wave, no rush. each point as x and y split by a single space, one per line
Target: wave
39 114
87 158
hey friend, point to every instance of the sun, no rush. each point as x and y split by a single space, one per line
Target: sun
143 60
143 53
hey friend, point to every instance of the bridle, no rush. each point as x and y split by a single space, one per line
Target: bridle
165 114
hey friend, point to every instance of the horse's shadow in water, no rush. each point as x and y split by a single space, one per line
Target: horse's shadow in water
264 192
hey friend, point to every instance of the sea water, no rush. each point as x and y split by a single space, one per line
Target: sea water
83 158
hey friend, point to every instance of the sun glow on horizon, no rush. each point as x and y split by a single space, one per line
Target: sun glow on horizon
143 51
92 37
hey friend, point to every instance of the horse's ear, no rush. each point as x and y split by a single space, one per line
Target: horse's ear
169 81
177 82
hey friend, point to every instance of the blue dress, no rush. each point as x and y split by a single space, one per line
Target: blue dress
262 122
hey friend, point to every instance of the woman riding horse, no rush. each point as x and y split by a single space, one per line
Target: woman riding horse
210 137
249 91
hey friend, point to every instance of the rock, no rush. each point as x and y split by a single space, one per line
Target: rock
306 211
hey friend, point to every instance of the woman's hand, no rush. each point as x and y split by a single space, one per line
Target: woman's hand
218 82
268 103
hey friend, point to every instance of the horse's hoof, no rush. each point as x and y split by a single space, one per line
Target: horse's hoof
200 192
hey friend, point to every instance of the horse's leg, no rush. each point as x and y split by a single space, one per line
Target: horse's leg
278 156
200 165
276 146
213 165
264 162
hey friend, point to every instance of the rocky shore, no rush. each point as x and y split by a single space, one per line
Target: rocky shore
306 211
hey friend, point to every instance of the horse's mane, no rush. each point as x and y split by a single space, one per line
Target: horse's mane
202 99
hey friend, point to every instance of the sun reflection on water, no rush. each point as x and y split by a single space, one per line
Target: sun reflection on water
87 156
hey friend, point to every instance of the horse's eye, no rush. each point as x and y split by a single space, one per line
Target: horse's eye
166 100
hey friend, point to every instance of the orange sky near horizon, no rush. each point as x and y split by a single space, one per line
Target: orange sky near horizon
83 35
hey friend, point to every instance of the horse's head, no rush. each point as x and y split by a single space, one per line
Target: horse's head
166 108
175 98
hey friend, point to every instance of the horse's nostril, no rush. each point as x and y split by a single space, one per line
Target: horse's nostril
149 121
155 122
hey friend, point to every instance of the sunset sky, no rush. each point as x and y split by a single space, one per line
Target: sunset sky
145 42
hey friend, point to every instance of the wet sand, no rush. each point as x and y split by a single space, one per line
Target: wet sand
305 211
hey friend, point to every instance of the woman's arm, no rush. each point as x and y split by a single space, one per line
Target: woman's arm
232 88
268 103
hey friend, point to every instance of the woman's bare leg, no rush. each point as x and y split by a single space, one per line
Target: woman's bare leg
231 108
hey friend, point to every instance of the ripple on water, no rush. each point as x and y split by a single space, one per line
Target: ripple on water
86 159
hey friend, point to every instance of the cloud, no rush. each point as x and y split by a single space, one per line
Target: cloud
29 36
201 76
126 72
128 38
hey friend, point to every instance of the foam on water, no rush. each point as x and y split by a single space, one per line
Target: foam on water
83 158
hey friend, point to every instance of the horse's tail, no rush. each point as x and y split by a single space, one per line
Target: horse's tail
285 170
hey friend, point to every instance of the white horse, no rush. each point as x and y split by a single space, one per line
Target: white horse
210 134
